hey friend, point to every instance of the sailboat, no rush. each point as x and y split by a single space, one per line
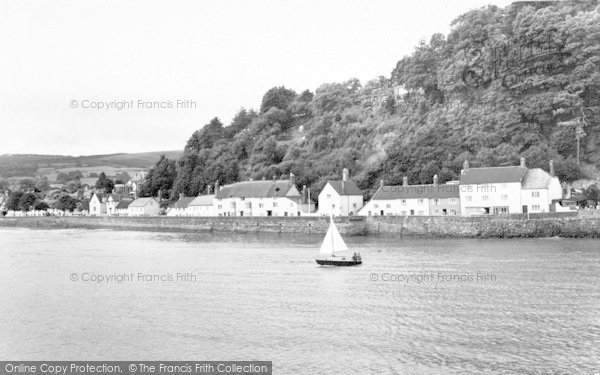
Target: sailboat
334 251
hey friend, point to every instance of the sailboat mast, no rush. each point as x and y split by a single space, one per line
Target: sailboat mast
332 242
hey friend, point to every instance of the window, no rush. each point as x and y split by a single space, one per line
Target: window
535 207
420 201
354 205
403 213
404 202
421 213
436 202
274 204
485 197
535 194
260 205
376 206
388 206
469 198
504 197
333 206
328 196
452 200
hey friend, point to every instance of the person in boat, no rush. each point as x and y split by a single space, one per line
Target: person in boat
355 257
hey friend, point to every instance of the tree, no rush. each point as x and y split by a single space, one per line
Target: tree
160 178
41 206
27 201
66 203
122 177
104 183
278 97
14 200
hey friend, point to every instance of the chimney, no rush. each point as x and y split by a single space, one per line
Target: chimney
292 179
551 168
465 165
217 188
344 179
404 181
180 195
381 183
208 189
435 179
523 163
304 194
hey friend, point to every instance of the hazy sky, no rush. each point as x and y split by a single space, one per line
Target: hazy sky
61 58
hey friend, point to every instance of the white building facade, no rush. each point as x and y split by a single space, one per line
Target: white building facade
340 198
507 190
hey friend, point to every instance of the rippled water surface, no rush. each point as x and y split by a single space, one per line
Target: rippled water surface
534 309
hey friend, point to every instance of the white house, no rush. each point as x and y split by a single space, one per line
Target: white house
414 200
539 189
97 204
122 208
111 203
260 198
202 205
180 208
507 190
143 207
340 198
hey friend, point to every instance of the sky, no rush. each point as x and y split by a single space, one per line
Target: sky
100 77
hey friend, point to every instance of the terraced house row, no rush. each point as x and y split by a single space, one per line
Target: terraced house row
478 191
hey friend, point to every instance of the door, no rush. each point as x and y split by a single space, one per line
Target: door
525 209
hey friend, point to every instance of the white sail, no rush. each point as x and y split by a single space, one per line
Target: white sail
333 242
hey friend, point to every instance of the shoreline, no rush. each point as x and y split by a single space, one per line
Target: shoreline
568 226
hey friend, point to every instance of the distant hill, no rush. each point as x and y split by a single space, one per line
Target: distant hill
30 165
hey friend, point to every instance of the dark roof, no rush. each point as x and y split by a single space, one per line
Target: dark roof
99 195
183 202
124 203
85 204
417 192
350 187
116 197
256 189
492 175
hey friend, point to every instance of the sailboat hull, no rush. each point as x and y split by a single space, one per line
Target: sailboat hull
336 262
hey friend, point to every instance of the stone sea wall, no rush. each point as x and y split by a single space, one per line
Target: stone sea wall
565 225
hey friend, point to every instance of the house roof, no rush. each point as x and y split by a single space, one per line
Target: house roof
536 178
491 175
417 192
99 195
349 187
116 197
258 189
124 203
183 202
203 200
85 204
141 202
